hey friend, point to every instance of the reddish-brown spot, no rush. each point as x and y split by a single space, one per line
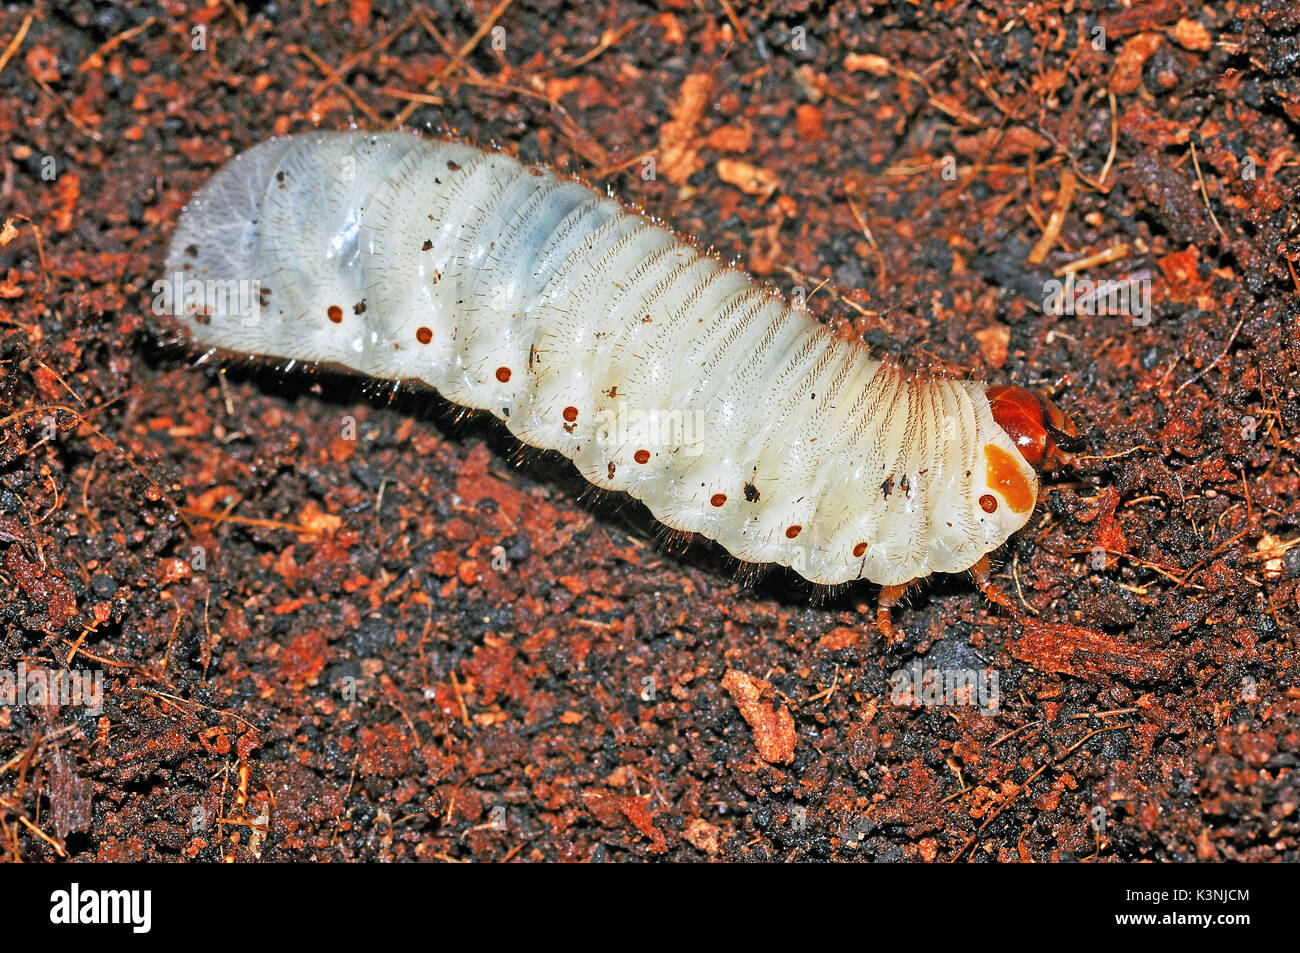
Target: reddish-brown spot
859 550
1002 472
423 335
641 456
718 499
988 503
570 414
335 313
503 374
792 531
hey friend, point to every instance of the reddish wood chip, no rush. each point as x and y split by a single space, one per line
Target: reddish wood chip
773 727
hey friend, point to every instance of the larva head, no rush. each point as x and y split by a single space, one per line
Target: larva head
1042 433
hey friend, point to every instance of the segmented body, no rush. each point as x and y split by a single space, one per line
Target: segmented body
590 330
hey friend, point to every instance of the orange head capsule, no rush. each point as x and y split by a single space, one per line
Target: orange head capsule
1040 430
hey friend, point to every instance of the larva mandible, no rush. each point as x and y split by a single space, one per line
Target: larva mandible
591 330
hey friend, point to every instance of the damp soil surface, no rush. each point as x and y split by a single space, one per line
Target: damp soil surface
324 621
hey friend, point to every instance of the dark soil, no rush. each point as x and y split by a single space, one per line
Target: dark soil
403 646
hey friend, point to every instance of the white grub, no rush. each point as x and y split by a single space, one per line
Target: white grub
590 330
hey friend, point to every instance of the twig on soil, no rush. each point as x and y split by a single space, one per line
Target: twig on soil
348 91
1015 576
22 818
126 455
357 59
464 712
1205 370
1054 221
608 40
181 702
456 58
96 59
225 517
1104 257
16 42
1013 732
871 239
735 20
40 251
1206 195
1022 788
1114 137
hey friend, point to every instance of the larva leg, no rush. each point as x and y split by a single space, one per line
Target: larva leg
889 597
982 573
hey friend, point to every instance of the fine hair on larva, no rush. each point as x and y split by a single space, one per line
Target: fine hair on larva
593 331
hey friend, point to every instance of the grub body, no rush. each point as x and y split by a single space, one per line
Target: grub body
590 330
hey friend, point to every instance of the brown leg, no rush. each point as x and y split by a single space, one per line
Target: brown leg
889 596
982 573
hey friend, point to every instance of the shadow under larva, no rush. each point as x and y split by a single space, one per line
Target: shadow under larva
591 331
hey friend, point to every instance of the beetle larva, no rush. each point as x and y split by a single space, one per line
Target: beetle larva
588 329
